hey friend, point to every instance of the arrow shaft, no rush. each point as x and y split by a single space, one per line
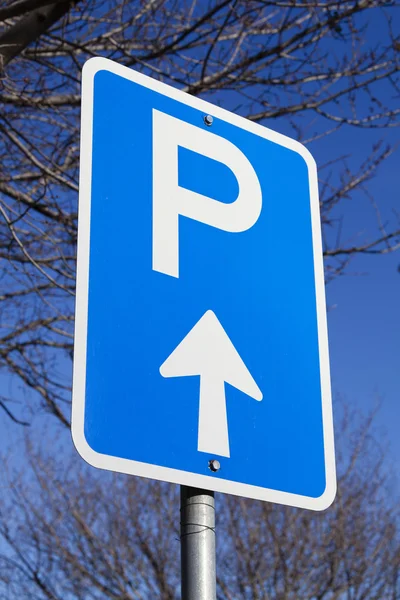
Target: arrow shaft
213 424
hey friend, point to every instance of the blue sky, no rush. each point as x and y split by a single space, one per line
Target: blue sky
364 323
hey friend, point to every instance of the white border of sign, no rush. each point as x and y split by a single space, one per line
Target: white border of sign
132 467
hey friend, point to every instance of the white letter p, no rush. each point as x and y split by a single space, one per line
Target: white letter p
170 200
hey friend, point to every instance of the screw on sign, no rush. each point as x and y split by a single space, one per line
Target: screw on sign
215 465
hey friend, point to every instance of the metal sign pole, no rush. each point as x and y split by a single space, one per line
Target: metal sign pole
198 544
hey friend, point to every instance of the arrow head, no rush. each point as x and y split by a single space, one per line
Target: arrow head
207 350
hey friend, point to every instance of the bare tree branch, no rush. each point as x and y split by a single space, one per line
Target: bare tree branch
69 531
30 27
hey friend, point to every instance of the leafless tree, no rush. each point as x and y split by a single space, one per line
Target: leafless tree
69 532
310 68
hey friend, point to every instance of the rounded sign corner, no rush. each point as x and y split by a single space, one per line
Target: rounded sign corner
327 498
90 456
308 158
95 64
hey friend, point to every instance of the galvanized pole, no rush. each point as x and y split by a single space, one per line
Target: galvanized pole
198 544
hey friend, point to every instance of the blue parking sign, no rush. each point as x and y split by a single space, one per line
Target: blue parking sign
201 352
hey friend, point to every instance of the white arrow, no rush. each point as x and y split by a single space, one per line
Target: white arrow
207 351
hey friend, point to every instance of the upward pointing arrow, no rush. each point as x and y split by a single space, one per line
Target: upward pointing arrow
207 351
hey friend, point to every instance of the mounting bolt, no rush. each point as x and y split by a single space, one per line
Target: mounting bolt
208 120
214 465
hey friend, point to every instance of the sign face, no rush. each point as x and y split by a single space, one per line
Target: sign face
201 353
